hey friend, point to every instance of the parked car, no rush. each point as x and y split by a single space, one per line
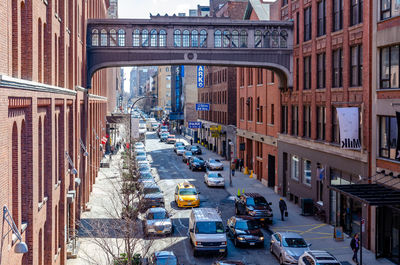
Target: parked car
171 139
164 136
151 196
180 150
144 168
139 145
141 153
157 221
196 150
145 177
288 247
245 231
197 163
214 179
255 206
214 164
163 258
178 144
318 257
186 156
186 195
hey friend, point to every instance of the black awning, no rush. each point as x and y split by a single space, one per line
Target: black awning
118 118
373 194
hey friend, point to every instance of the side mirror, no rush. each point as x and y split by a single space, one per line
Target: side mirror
198 192
270 203
309 244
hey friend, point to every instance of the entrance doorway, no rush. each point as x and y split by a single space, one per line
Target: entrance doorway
388 233
271 171
284 174
249 154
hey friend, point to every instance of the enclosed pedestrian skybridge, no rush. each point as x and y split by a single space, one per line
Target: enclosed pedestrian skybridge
172 40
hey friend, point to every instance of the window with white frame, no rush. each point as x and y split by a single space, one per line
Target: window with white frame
295 167
307 172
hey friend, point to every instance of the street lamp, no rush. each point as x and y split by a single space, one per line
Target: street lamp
230 144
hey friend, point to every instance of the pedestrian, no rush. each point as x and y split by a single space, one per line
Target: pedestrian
282 208
191 141
237 163
355 246
241 164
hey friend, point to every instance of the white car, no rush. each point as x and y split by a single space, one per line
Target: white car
214 179
214 164
139 145
180 150
318 257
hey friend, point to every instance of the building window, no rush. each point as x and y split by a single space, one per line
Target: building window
95 37
195 38
295 167
335 127
241 110
177 38
249 104
162 38
307 172
145 38
203 39
250 75
321 70
227 38
297 27
295 120
297 74
283 39
185 38
153 38
241 76
307 73
272 114
389 8
307 24
284 119
243 39
388 137
284 3
217 39
258 39
121 37
356 12
321 28
389 67
307 121
235 39
321 120
337 15
136 38
356 65
259 76
113 37
103 37
259 111
337 62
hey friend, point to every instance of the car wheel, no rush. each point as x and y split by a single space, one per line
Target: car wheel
281 260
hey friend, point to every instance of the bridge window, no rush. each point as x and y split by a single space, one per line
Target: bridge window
121 37
267 39
153 38
95 37
243 39
163 38
177 38
283 39
275 39
195 38
136 38
257 39
203 39
103 37
227 38
235 39
113 37
145 38
217 39
185 39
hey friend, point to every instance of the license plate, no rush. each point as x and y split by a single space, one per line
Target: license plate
153 206
262 219
189 203
252 244
222 250
159 232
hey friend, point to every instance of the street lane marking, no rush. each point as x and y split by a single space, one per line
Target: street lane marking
311 229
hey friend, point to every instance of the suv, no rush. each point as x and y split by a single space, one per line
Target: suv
151 196
196 150
318 257
186 195
197 163
255 206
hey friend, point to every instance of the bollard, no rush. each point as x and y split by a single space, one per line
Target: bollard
246 171
251 174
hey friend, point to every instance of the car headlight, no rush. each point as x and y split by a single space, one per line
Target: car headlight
180 199
261 238
223 243
240 238
252 213
197 243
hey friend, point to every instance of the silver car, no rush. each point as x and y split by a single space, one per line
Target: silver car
180 150
288 247
214 179
157 221
214 164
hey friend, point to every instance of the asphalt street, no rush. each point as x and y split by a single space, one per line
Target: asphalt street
169 171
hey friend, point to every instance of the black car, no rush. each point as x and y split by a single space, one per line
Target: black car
197 163
196 150
245 231
151 196
255 206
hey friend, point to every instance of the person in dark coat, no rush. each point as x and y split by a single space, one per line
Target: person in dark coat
282 208
355 246
241 164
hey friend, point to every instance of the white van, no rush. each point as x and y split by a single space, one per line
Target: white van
206 231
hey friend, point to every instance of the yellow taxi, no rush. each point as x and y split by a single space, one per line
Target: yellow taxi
186 195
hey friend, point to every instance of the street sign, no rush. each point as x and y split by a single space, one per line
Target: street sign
200 76
194 124
363 225
202 106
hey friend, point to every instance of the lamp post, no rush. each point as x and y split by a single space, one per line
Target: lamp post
130 114
230 144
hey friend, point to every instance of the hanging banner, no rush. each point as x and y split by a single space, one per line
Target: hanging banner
349 126
398 136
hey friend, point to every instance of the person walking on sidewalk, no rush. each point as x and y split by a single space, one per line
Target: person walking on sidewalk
191 141
355 246
282 208
241 164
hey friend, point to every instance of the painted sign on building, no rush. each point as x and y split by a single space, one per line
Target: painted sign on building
200 76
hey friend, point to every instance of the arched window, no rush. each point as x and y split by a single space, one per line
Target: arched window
145 38
121 37
136 38
162 38
40 158
217 39
153 38
275 39
203 39
113 37
95 37
243 39
15 176
267 39
103 37
177 38
227 38
185 38
283 39
195 38
257 39
235 39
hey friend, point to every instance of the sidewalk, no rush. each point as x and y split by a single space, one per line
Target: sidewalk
319 234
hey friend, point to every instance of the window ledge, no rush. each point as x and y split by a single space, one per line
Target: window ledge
57 184
307 91
356 88
388 89
337 89
42 203
355 26
320 90
388 160
320 37
270 124
259 123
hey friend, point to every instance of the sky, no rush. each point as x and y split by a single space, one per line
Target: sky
143 9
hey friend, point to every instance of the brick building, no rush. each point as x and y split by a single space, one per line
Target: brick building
258 108
46 112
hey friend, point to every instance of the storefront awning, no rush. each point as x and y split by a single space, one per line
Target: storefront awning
373 194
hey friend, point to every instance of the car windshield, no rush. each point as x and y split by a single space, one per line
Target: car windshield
157 215
198 160
170 260
194 148
147 175
141 158
171 136
179 143
188 153
294 243
247 225
214 161
189 191
210 228
214 175
257 201
180 148
141 153
150 190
